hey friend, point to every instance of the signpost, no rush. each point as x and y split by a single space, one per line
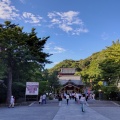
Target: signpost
32 89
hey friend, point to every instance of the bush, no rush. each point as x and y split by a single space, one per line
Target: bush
43 88
110 92
18 90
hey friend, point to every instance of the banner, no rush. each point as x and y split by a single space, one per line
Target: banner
32 88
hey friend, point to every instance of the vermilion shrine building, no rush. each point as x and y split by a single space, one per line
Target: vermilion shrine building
69 81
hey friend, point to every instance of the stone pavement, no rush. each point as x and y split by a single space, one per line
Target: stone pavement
31 112
73 111
97 110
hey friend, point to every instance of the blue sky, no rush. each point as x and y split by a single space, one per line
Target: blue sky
77 28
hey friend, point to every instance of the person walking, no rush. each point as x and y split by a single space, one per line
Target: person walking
75 96
67 98
60 99
83 102
87 95
40 100
12 101
93 96
44 98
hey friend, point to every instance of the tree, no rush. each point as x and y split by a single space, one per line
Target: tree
110 66
53 81
18 47
110 70
113 52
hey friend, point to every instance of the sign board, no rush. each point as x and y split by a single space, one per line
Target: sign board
32 88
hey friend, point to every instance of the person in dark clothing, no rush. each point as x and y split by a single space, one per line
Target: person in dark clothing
86 96
60 99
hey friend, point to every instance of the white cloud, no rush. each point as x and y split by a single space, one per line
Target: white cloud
52 49
55 21
48 46
79 30
7 11
56 50
68 22
51 15
59 49
31 18
65 27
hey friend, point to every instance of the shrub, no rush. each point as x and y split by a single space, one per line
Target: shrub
18 90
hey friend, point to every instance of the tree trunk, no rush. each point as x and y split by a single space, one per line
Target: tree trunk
9 85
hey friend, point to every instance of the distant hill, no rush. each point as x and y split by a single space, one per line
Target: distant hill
79 64
99 66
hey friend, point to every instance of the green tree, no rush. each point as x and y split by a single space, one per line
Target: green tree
110 66
53 81
113 52
110 70
18 47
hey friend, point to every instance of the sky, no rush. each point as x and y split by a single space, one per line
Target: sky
77 28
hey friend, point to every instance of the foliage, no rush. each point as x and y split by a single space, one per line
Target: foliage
49 82
43 87
100 83
110 92
113 52
22 59
110 70
65 64
53 81
101 66
18 89
111 65
18 48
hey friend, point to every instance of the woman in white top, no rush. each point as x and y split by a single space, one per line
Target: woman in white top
77 97
83 102
67 98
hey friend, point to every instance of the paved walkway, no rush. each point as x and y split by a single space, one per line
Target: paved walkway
73 112
97 110
33 112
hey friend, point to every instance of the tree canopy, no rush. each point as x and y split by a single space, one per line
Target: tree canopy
19 48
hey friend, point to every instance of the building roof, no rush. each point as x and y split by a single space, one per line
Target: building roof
69 77
76 82
72 78
68 70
